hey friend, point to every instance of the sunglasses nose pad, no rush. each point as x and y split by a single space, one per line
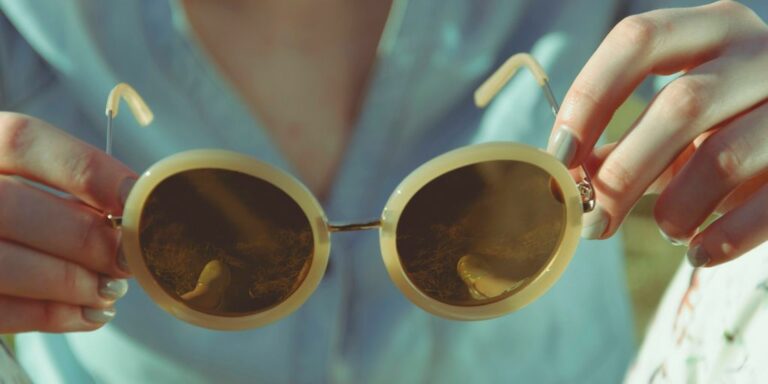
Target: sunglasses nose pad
211 285
481 280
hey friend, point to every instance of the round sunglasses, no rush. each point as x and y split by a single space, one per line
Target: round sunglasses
224 241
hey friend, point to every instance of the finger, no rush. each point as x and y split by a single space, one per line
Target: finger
733 234
733 155
35 150
595 159
661 182
742 193
29 274
57 226
662 41
690 105
24 315
598 156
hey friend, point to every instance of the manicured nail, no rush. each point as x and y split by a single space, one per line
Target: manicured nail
99 316
112 289
563 145
125 189
670 239
698 256
122 263
595 224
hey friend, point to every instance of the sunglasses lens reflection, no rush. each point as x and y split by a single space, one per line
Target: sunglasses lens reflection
225 243
480 233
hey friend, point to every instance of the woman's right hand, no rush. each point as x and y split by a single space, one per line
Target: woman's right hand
59 269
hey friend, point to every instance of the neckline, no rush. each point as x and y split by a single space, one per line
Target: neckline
267 147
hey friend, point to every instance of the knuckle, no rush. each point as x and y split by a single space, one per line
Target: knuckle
52 316
58 317
684 99
86 229
583 95
723 157
734 8
83 169
15 134
72 279
615 178
49 315
583 92
88 238
639 30
745 16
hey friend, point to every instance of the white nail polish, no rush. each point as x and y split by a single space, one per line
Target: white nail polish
563 145
594 224
112 289
99 316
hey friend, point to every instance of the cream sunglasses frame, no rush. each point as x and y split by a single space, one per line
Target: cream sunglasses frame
577 198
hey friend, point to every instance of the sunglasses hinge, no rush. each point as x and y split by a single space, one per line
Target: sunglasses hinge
347 227
114 220
587 192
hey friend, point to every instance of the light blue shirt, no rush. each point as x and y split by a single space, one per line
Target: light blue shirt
59 60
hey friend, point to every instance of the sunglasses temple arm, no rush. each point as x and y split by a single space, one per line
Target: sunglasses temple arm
550 97
140 112
494 84
136 104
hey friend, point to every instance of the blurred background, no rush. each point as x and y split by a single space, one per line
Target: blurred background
650 260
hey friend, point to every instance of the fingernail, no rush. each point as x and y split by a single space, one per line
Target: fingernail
99 316
112 289
670 239
595 224
563 145
122 263
698 256
125 189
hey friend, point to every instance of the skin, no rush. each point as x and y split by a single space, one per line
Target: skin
53 250
318 55
56 253
701 143
60 251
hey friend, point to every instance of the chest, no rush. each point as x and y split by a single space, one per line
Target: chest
303 83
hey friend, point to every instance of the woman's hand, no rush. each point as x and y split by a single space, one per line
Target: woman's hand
703 140
58 265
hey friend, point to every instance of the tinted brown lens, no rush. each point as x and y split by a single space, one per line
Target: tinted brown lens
480 233
224 242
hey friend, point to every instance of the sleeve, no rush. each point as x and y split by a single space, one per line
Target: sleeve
23 73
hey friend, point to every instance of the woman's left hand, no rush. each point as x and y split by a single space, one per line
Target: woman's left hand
702 143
